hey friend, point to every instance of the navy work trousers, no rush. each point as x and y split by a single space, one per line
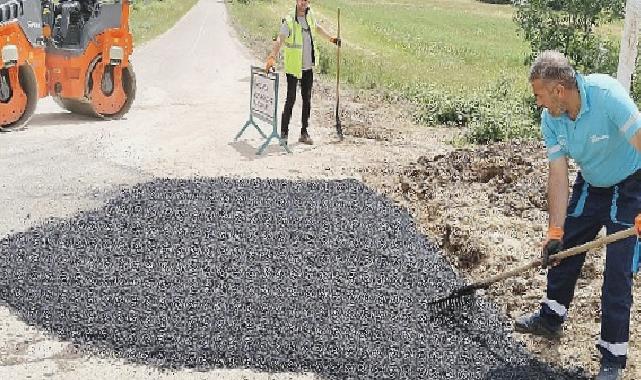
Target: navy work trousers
590 209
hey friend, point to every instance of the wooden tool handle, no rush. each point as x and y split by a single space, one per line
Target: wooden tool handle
338 20
338 58
559 256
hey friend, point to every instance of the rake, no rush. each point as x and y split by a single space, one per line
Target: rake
460 296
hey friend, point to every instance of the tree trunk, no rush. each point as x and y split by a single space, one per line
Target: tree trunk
629 40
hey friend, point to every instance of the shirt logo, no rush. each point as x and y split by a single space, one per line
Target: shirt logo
595 138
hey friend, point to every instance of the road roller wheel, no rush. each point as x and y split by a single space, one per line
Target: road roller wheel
111 89
110 92
18 96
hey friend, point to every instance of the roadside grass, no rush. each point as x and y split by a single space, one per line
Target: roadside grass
454 45
150 18
459 62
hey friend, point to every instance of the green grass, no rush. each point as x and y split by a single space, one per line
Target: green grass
150 18
457 46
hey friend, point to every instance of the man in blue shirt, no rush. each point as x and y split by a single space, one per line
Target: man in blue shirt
593 120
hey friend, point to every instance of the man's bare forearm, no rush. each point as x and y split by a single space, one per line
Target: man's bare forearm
558 192
323 32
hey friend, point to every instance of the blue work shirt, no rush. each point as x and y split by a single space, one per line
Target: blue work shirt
599 139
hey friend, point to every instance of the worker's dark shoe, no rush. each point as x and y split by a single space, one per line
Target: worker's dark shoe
610 371
536 324
305 139
283 139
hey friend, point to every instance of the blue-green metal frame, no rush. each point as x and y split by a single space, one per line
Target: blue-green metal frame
255 70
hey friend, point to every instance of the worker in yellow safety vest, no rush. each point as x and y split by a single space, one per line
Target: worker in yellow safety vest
298 32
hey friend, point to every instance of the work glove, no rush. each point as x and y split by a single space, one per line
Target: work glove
271 62
637 225
553 245
335 40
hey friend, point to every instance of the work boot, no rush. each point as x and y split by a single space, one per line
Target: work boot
305 139
536 324
610 371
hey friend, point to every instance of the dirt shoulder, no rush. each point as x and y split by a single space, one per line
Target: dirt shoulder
485 206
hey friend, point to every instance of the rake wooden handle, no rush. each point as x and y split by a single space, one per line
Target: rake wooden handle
559 256
338 59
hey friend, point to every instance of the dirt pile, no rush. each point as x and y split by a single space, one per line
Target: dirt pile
512 174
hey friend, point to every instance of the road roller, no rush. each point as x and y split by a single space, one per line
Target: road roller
76 51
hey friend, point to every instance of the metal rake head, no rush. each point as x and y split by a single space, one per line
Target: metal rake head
454 300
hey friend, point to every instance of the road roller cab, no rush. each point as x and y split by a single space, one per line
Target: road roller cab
74 50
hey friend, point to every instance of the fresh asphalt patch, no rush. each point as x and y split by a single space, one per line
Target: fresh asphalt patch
273 275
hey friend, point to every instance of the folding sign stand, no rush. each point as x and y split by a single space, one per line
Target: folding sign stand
263 105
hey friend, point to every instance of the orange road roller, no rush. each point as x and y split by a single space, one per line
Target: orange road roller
74 50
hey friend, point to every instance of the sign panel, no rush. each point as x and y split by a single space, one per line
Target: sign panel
263 102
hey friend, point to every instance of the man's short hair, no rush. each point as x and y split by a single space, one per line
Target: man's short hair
551 65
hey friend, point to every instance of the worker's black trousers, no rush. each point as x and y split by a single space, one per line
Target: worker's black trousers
590 209
306 91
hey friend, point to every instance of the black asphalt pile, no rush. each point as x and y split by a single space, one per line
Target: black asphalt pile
516 173
273 275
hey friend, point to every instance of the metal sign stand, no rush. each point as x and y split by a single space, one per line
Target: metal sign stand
263 106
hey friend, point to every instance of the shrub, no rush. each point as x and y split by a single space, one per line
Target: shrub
496 113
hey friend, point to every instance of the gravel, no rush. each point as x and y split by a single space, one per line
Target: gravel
273 275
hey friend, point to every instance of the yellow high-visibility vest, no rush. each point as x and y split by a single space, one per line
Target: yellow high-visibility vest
294 44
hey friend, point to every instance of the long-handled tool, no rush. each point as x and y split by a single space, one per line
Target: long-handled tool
457 297
339 127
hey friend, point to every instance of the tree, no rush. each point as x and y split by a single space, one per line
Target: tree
569 27
629 43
